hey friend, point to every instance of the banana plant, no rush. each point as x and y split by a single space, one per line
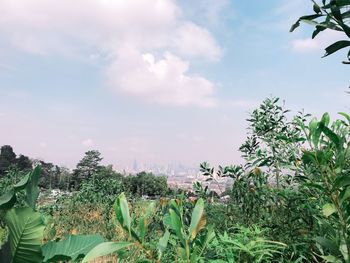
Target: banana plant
192 245
25 225
26 230
138 234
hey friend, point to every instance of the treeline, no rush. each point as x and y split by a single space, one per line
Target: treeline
88 170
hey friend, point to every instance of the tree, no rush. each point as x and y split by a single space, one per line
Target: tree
48 175
108 172
7 158
146 184
274 142
336 15
87 167
23 163
64 178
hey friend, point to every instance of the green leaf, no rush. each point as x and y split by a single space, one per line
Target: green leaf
315 131
23 182
194 257
176 224
26 228
344 195
331 135
70 248
317 9
294 26
313 124
163 243
341 181
143 223
122 212
198 219
328 244
331 259
336 46
335 8
304 18
8 200
167 220
104 249
346 116
32 188
317 31
346 14
173 205
328 209
210 235
142 228
150 210
325 119
308 157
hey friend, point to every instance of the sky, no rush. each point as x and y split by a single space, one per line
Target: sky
157 81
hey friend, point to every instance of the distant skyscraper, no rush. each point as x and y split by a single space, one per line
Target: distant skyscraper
135 165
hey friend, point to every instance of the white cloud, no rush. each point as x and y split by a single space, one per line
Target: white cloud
186 42
305 45
106 28
88 143
324 39
164 80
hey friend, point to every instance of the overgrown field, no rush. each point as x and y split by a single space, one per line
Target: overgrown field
289 202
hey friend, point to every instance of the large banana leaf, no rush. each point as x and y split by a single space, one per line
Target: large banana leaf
30 184
105 249
198 220
32 189
121 208
71 248
26 229
8 200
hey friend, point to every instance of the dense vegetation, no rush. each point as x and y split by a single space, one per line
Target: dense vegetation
289 201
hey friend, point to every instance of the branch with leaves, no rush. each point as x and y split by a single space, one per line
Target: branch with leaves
333 15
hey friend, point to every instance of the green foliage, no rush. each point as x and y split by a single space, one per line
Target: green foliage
274 142
7 158
102 191
246 245
201 191
146 184
289 202
269 189
104 249
326 165
192 245
29 183
185 239
26 229
70 248
331 15
87 168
